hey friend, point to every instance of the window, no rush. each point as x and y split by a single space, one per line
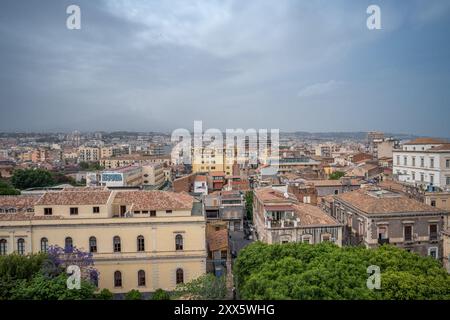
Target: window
433 252
3 247
431 179
117 279
447 181
95 209
306 238
141 278
21 246
422 162
178 242
336 191
93 244
44 245
413 161
405 161
140 244
433 232
408 233
326 238
168 211
48 211
382 233
116 244
413 175
431 162
73 211
433 203
152 213
179 276
447 163
422 178
398 160
94 278
68 244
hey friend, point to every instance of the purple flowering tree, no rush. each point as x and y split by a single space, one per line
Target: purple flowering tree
60 258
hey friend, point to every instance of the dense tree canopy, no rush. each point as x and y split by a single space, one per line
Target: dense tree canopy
205 287
249 204
325 271
42 277
31 178
7 190
337 175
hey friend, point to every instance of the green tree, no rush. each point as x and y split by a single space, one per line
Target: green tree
15 268
337 175
205 287
43 288
326 271
31 178
160 294
105 294
133 295
7 190
249 204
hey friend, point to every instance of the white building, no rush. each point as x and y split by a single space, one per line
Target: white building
200 185
423 161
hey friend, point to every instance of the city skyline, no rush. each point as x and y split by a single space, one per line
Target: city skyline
296 66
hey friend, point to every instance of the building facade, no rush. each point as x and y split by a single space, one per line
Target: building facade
280 218
374 216
424 162
141 240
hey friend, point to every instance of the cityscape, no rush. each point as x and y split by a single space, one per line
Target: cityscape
121 178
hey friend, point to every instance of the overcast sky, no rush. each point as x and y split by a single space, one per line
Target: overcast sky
159 65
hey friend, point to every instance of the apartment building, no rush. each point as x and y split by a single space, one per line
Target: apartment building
139 159
374 216
226 206
141 240
280 218
88 154
122 177
424 162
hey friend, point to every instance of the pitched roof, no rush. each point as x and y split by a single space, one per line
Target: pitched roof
312 215
154 200
383 201
218 240
75 197
18 202
426 141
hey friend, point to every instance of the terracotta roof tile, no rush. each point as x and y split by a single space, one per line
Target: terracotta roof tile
154 200
377 201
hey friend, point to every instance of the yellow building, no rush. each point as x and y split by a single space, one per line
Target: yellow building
141 240
211 160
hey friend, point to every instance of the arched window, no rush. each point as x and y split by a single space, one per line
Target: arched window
141 278
116 243
178 242
21 246
140 243
92 244
68 244
3 247
94 278
180 276
44 245
117 279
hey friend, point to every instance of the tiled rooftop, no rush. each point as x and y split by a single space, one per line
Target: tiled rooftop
388 202
75 198
154 200
18 202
